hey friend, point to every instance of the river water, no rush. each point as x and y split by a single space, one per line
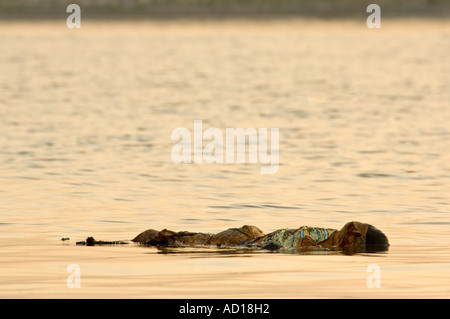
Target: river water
86 118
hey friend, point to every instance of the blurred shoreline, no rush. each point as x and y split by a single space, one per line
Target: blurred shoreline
219 9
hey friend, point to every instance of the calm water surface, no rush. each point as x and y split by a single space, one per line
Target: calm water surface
86 118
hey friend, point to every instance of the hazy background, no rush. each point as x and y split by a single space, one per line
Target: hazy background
38 9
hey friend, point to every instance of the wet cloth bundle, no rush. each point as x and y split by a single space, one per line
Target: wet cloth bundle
353 236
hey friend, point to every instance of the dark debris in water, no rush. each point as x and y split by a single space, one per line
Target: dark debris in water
90 241
374 175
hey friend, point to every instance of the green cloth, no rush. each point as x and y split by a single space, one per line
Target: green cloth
290 237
